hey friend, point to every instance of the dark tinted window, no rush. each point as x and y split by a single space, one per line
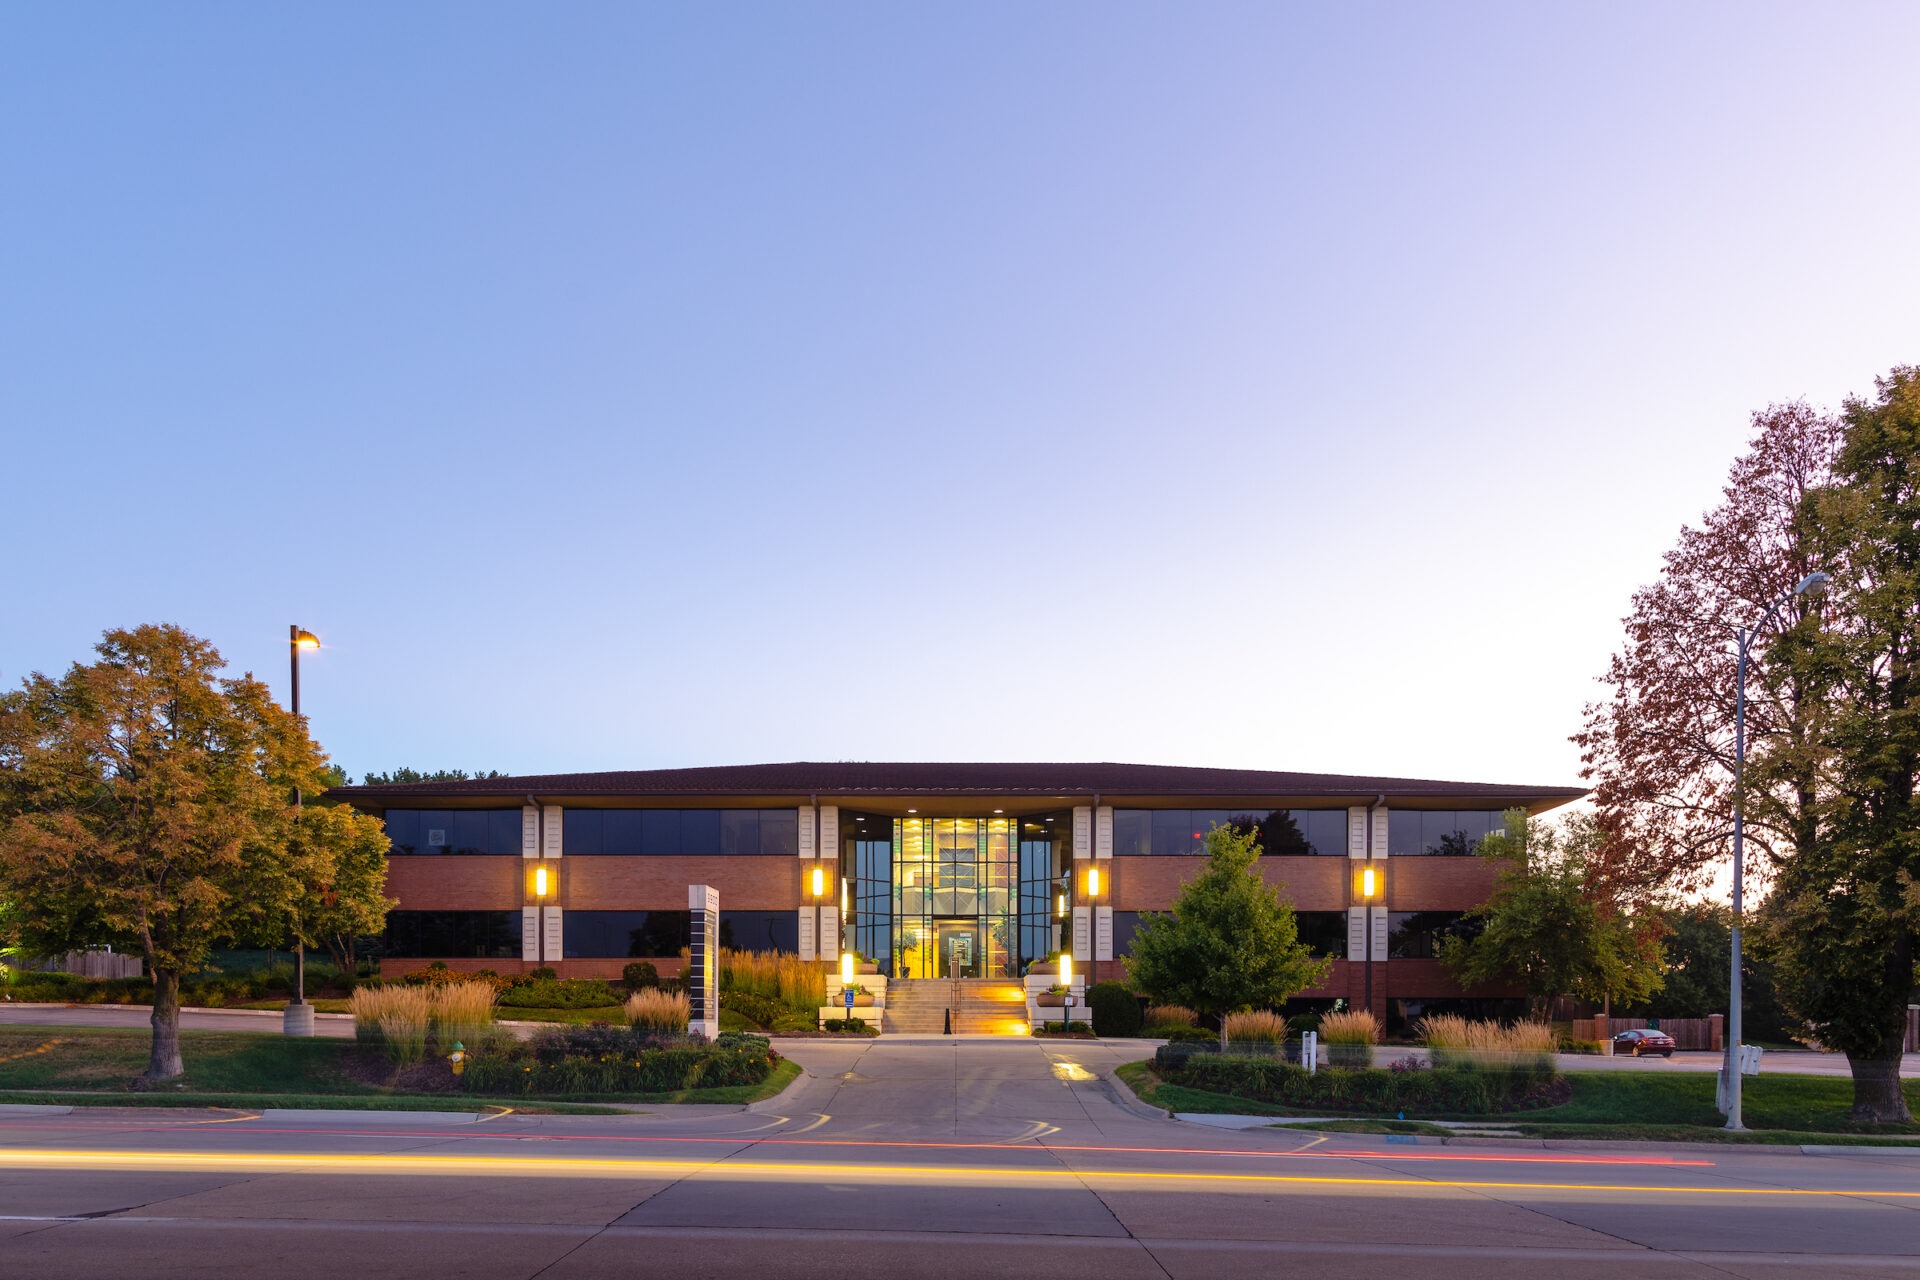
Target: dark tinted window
1124 924
660 831
614 934
1173 831
740 831
1132 833
623 833
1282 836
780 832
1415 935
581 832
1205 820
760 930
1324 932
1439 832
503 831
699 831
675 832
453 935
403 829
1325 830
494 832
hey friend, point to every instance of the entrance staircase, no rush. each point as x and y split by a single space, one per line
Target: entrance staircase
981 1006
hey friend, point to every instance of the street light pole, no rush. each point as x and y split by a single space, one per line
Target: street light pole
1814 585
298 1019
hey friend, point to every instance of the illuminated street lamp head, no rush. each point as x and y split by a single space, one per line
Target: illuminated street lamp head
1066 969
305 639
846 968
1814 584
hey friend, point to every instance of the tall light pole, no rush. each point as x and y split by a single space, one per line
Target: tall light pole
1813 585
298 1019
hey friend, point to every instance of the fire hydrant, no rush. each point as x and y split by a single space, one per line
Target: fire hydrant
458 1057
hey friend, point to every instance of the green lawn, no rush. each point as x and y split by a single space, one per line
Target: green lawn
65 1065
1606 1104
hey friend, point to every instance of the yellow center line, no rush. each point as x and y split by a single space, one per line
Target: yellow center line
586 1166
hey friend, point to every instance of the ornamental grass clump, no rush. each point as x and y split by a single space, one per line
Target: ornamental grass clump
1453 1041
401 1016
1255 1026
1171 1015
653 1010
799 984
1350 1036
462 1011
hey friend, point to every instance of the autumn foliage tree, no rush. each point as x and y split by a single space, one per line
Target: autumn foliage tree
144 800
1833 830
1659 750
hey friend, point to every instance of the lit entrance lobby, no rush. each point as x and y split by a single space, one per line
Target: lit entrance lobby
938 897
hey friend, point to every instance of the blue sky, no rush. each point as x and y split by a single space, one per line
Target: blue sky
617 387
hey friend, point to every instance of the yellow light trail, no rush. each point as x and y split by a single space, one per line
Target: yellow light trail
753 1170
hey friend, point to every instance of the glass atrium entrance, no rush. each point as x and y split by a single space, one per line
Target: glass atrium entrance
955 897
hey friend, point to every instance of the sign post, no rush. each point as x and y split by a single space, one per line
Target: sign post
703 962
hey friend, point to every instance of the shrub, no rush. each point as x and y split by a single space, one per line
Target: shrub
1256 1026
640 973
1350 1037
545 973
605 1059
1115 1010
761 1010
1171 1015
656 1010
853 1026
565 993
1185 1035
1276 1081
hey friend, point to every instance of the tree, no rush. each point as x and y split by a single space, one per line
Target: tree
142 798
1842 924
337 867
1694 938
1229 943
404 775
1552 924
1659 750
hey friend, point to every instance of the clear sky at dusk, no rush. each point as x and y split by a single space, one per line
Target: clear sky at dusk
628 386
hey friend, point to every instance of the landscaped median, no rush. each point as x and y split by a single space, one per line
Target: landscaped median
1585 1105
97 1066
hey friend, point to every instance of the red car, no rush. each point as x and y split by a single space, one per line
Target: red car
1640 1042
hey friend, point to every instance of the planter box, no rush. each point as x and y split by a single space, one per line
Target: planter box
870 1016
1037 1014
1047 1000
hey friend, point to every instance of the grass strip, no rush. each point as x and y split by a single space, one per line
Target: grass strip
301 1102
1652 1106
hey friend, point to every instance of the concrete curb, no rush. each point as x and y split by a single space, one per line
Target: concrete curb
1129 1100
362 1116
33 1109
1911 1151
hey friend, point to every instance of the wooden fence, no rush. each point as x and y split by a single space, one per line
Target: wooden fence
1687 1033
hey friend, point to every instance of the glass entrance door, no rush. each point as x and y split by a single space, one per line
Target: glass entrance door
959 950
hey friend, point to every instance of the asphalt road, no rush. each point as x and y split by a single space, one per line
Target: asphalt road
912 1158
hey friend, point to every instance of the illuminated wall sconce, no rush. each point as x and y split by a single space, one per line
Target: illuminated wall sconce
1372 883
543 882
1060 905
819 882
1093 882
